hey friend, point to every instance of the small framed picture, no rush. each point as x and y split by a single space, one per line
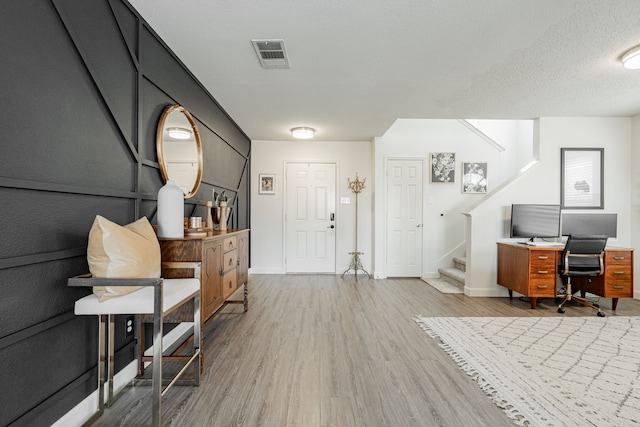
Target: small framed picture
474 177
267 183
443 167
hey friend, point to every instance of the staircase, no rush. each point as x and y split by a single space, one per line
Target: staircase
456 274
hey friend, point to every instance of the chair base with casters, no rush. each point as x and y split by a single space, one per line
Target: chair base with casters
568 296
158 297
582 256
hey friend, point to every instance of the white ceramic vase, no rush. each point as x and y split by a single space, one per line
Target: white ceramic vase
170 211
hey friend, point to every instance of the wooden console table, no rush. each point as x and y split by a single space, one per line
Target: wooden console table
225 266
532 271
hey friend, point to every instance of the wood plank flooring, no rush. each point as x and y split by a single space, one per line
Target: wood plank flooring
319 350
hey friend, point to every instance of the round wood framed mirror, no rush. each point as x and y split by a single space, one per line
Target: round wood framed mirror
179 149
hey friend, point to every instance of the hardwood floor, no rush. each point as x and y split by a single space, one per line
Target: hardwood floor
318 350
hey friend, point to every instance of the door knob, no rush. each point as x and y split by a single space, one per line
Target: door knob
331 226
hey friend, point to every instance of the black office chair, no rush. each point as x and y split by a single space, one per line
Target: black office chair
582 256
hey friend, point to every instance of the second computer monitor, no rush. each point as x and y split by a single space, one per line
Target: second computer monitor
590 224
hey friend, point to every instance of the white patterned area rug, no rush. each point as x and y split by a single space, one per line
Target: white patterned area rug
550 371
443 286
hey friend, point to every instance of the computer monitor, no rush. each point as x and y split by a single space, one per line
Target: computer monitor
535 220
590 224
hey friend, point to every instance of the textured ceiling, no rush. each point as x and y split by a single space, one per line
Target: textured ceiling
358 65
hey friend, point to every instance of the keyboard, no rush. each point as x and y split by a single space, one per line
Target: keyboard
546 244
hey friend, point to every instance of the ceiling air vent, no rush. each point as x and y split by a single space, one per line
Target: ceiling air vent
271 53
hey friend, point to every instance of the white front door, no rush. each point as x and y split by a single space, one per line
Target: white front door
404 218
310 218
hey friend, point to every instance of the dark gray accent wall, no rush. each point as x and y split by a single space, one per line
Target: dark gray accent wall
83 84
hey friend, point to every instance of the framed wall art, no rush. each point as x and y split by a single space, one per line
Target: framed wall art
267 183
582 178
474 177
443 167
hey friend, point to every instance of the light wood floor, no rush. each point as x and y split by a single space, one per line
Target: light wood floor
318 350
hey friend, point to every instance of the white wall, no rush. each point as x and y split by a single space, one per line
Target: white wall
635 193
515 136
541 184
267 211
444 230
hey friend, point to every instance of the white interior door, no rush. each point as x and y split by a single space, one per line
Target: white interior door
310 218
404 218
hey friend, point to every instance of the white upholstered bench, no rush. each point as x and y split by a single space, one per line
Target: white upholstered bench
158 297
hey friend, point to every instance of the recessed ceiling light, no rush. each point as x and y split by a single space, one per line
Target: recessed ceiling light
179 133
631 59
303 132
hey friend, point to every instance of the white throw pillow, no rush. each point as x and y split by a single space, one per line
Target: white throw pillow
115 251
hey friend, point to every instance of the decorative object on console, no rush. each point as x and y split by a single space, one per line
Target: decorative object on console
115 251
356 186
223 216
216 211
195 222
443 167
582 178
474 177
170 211
209 222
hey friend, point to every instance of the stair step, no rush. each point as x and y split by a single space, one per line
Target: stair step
455 276
460 263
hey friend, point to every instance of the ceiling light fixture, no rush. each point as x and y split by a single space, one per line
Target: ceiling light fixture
303 132
179 133
631 59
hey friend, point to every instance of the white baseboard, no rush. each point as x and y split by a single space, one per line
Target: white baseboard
84 410
266 270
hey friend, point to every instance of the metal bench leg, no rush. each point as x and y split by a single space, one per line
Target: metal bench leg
197 365
111 354
157 358
102 359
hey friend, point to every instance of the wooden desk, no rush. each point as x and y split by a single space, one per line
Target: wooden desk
532 271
